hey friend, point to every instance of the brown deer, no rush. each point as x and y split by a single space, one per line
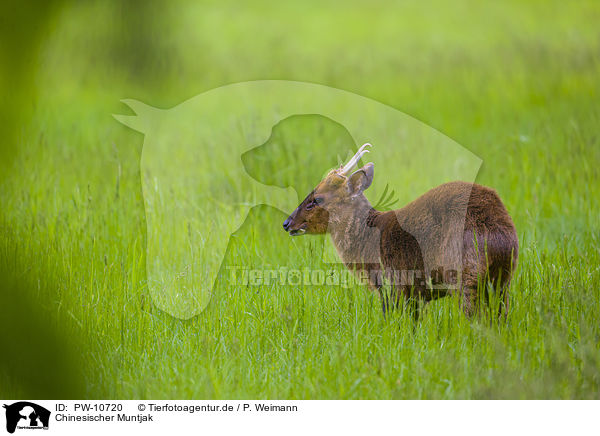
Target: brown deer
457 238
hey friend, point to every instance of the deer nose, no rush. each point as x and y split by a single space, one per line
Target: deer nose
286 224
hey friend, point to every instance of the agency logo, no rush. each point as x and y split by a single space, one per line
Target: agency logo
26 415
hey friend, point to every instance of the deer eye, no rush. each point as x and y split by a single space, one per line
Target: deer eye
315 202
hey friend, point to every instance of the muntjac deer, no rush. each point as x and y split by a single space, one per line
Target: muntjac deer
461 227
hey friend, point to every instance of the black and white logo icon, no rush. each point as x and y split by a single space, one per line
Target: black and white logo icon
26 415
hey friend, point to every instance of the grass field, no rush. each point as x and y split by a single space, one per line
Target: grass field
516 83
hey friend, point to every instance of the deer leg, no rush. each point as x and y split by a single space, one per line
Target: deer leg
469 300
411 302
503 305
385 303
496 292
506 301
413 309
385 300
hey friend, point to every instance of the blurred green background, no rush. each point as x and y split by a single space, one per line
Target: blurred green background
514 82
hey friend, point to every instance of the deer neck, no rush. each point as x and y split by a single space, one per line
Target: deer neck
354 234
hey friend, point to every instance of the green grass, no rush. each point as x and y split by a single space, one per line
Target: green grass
517 84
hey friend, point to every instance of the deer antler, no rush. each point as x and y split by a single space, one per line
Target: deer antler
348 167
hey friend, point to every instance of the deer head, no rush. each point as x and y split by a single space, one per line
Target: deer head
334 199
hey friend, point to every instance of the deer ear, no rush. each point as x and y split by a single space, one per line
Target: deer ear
361 179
